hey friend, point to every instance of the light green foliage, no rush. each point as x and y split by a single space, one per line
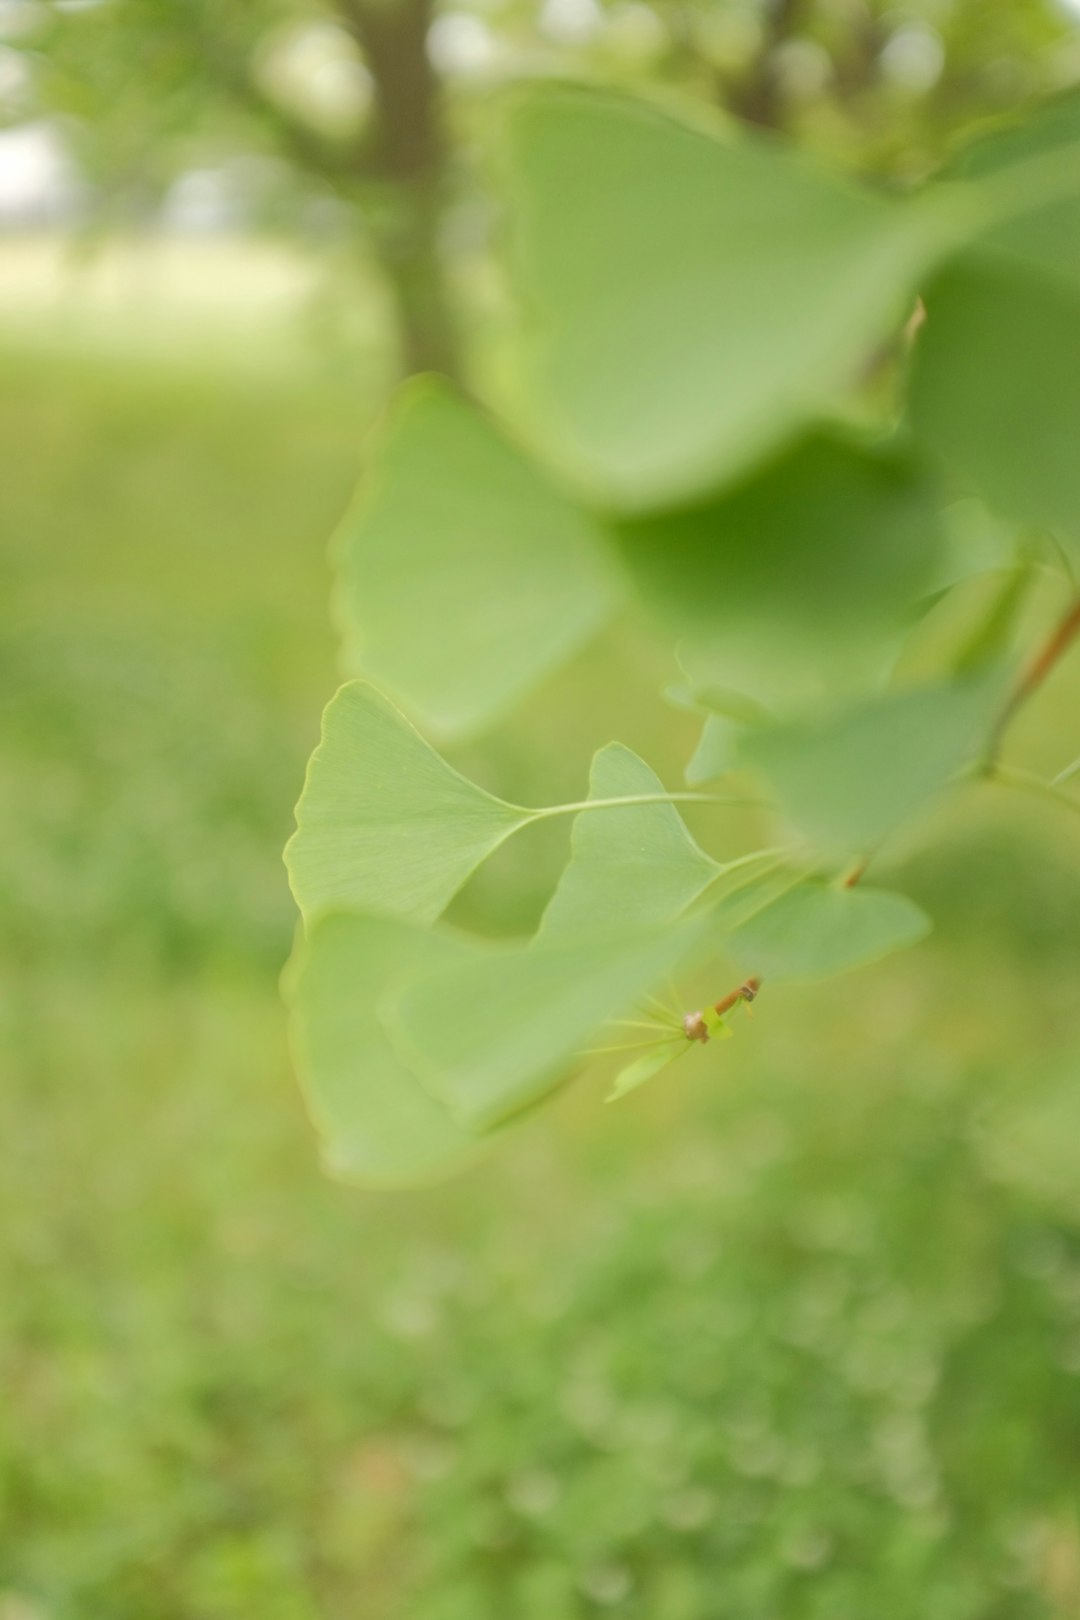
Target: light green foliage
492 1035
796 1324
629 868
695 301
997 386
848 777
818 929
385 824
1031 174
794 577
717 750
463 576
792 1333
696 315
992 632
378 1125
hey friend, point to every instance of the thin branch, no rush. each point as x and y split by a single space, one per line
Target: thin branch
1067 774
747 991
855 874
340 166
1028 782
1041 666
758 98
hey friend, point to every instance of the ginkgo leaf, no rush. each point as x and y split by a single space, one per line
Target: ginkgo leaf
464 576
491 1035
1028 179
818 929
717 751
793 577
847 776
630 867
994 318
378 1125
692 302
384 824
996 384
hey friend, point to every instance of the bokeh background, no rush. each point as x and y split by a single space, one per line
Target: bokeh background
799 1340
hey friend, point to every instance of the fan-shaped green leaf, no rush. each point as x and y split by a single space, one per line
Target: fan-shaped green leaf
818 929
630 868
384 824
490 1036
717 751
849 776
694 301
796 574
464 577
996 387
1028 179
378 1125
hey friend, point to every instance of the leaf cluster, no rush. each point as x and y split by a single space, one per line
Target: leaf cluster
755 405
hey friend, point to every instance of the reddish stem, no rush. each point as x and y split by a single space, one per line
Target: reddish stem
745 992
1041 666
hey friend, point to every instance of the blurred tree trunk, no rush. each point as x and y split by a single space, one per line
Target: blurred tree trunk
759 98
409 156
395 173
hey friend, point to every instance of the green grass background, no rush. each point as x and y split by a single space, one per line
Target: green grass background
793 1337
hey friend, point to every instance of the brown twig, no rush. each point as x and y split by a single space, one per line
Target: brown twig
745 992
1040 667
758 99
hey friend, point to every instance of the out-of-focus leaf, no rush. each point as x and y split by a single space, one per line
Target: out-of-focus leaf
384 824
742 894
1029 175
978 540
717 751
464 577
378 1125
818 929
693 302
490 1036
629 868
992 631
848 776
701 692
996 386
795 574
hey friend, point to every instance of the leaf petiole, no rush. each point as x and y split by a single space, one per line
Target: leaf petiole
638 798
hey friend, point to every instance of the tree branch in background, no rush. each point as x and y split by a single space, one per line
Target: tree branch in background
856 68
310 151
396 169
758 99
410 155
